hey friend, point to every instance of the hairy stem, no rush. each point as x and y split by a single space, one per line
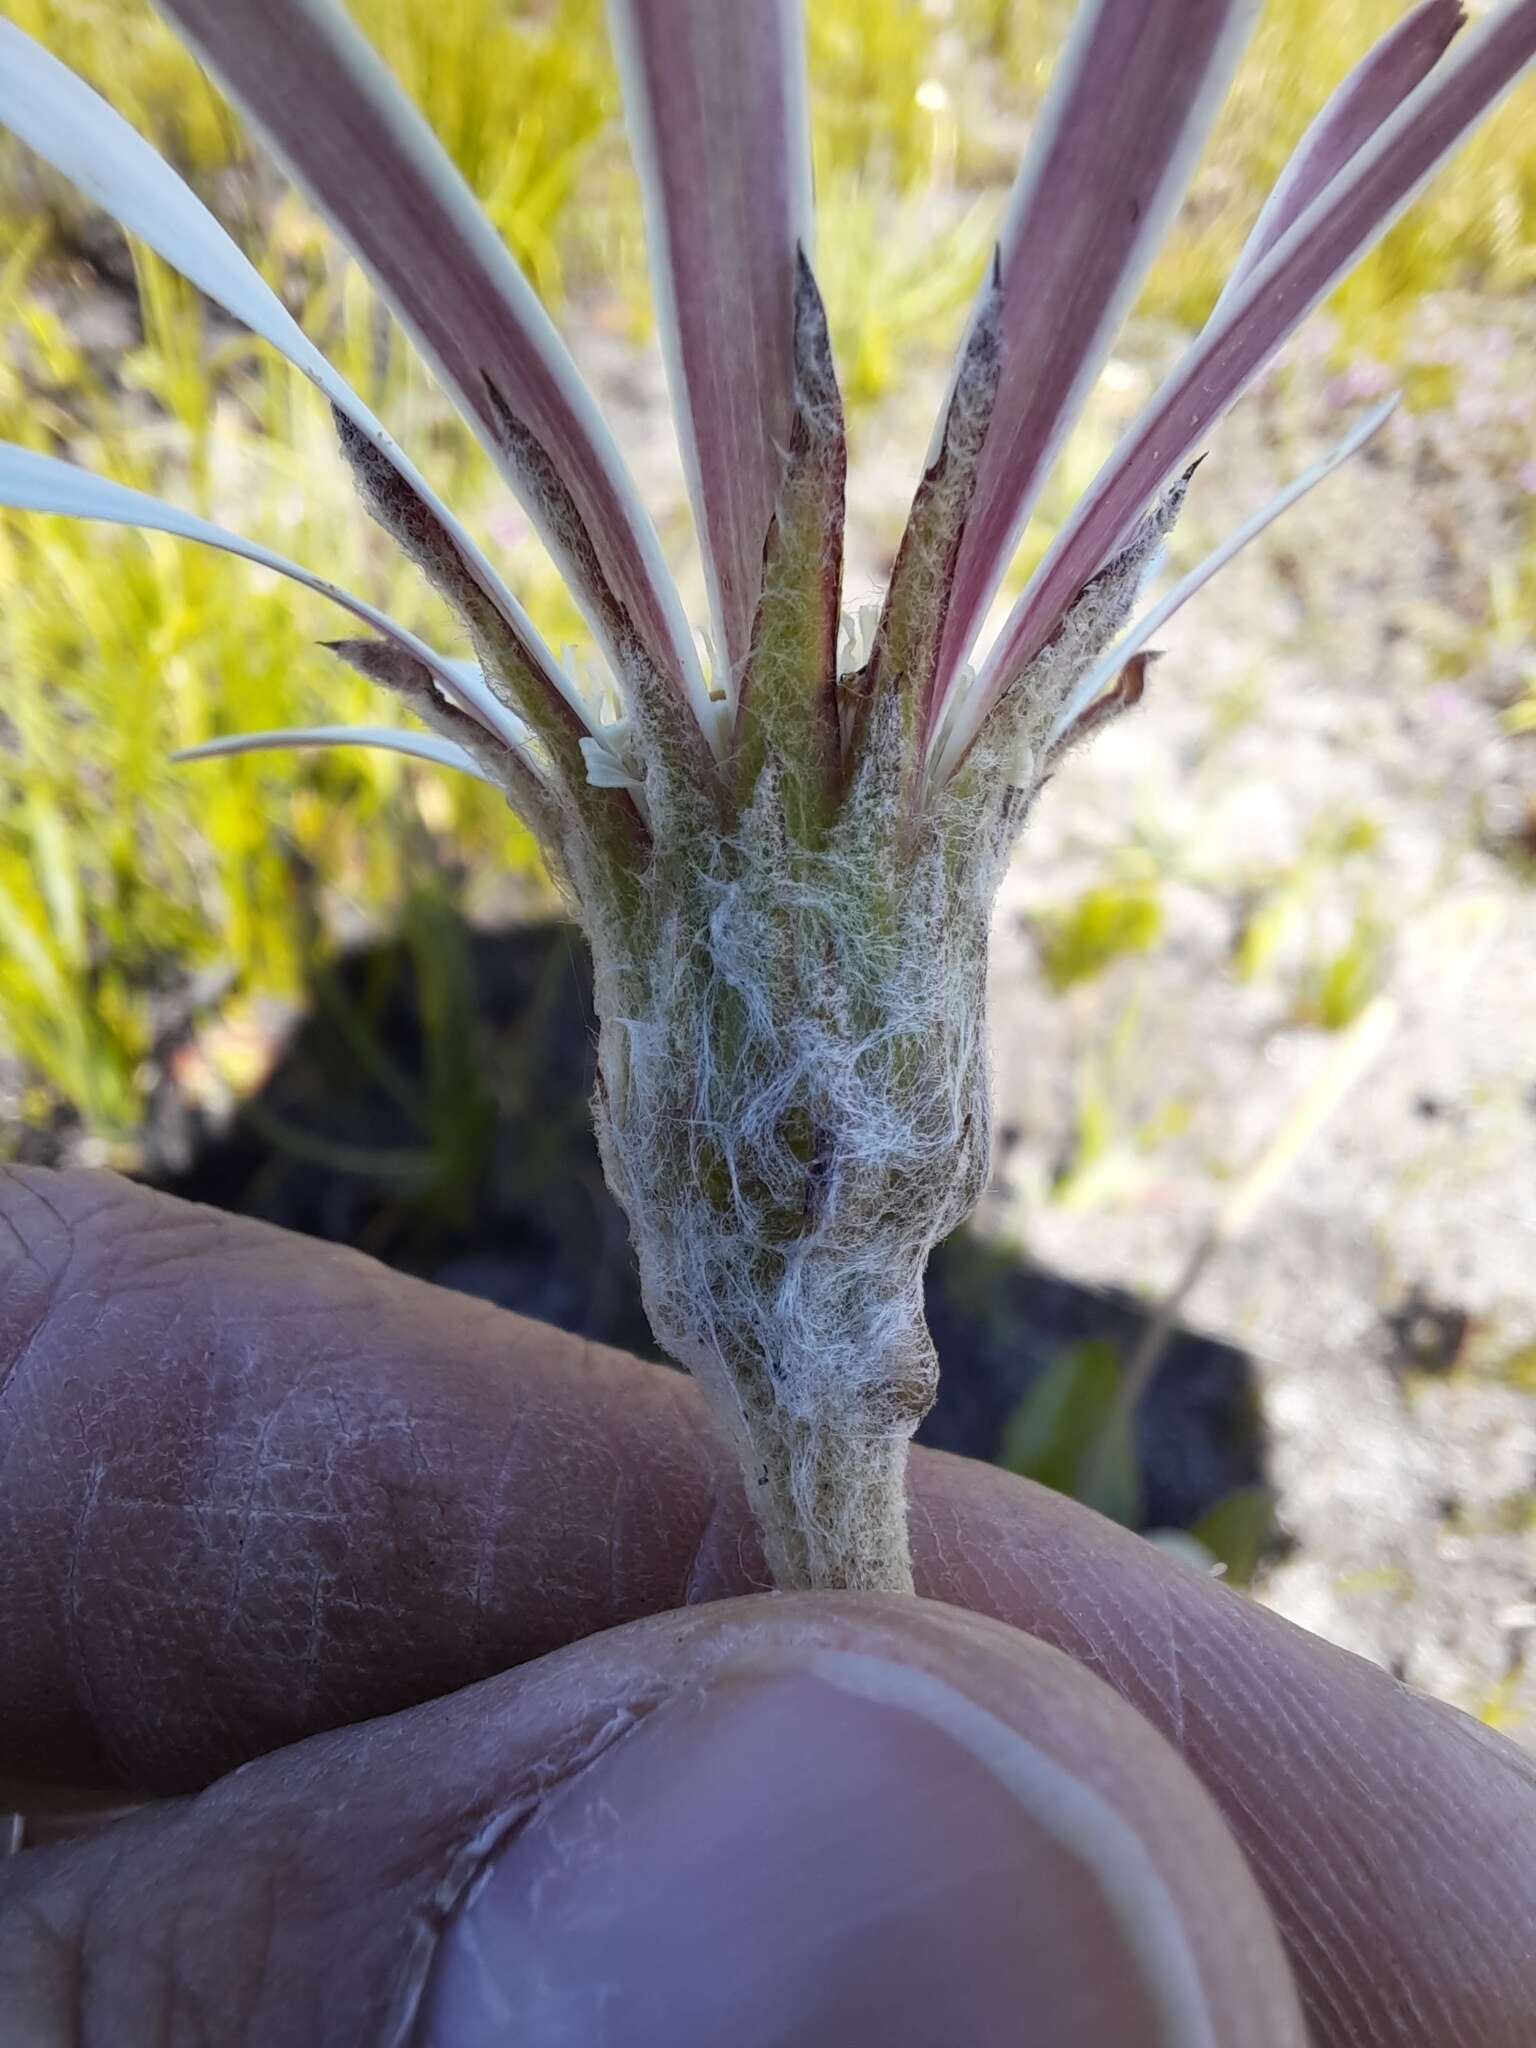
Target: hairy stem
831 1505
793 1109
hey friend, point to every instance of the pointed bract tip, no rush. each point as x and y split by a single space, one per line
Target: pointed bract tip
810 308
815 372
394 667
355 444
1132 679
984 343
1123 694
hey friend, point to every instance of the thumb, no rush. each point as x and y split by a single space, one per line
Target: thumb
793 1821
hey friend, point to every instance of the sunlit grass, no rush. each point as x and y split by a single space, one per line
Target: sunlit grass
122 877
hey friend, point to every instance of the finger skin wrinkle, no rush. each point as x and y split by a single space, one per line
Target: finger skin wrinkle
41 1976
52 1903
140 1958
1323 1866
75 1620
21 1352
157 1272
699 1557
492 1511
1291 1876
310 1663
24 1189
465 1865
1175 1695
49 1264
150 1251
14 1187
247 1516
1319 1853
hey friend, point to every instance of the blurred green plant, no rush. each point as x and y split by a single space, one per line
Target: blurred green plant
1511 608
1075 1431
1238 1532
519 94
1116 1133
1072 1432
892 287
1331 981
451 1109
1519 1368
1336 985
1079 941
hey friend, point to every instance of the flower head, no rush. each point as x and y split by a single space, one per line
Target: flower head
717 106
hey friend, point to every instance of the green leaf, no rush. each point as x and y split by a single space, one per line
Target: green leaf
1237 1531
1072 1433
1337 988
1266 930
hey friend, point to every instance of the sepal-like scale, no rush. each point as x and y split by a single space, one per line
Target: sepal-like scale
787 716
903 665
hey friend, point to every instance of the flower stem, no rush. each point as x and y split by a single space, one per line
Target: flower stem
831 1506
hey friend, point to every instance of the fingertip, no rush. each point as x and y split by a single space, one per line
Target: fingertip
825 1843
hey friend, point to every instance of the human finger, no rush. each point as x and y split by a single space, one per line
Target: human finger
253 1487
808 1820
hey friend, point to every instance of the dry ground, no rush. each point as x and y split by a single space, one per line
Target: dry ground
1388 1291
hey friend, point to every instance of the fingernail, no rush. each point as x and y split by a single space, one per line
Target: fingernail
779 1859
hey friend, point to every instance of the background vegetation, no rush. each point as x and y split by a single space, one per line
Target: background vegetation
134 896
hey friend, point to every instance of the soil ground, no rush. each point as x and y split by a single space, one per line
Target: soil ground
1387 1292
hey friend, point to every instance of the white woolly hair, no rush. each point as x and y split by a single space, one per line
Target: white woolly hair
793 1108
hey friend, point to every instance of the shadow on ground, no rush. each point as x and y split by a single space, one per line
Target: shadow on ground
462 1152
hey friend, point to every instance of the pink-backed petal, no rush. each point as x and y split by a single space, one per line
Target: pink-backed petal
320 94
1347 218
715 97
1375 89
1136 91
